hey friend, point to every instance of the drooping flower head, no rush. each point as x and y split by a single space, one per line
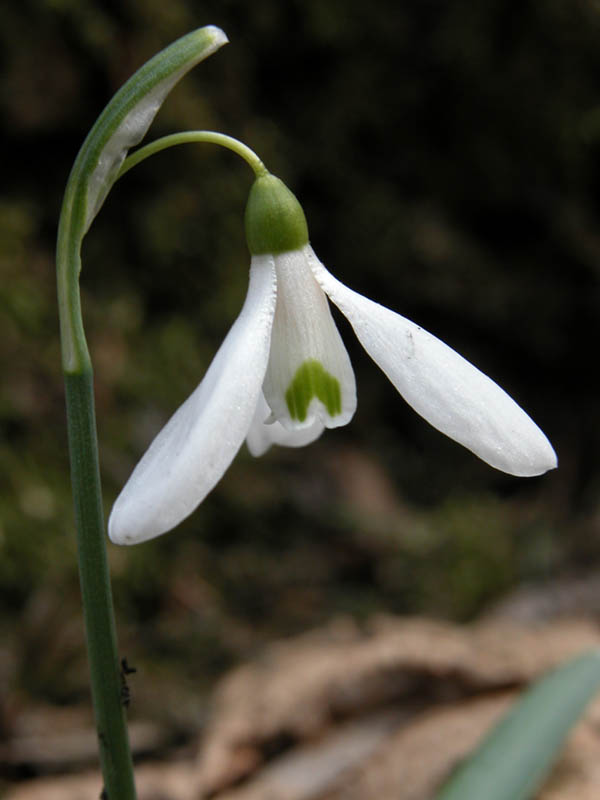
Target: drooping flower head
282 375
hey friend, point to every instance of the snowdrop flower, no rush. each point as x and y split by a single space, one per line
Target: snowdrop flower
282 375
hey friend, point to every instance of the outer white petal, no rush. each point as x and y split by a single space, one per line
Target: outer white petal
441 386
304 332
193 450
263 434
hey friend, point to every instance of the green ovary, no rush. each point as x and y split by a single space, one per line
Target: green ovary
312 380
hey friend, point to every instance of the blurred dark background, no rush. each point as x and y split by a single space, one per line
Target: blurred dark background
447 156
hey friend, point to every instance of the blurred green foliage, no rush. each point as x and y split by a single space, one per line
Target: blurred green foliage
447 156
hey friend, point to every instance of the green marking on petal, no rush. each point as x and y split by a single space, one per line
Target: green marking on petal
313 380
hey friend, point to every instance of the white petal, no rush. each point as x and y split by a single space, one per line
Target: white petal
441 386
193 450
309 376
263 434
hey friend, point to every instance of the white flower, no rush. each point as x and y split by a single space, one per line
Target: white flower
282 375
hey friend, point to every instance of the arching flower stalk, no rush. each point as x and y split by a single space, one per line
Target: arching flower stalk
282 375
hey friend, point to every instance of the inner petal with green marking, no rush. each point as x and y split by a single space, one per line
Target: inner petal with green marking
313 380
309 379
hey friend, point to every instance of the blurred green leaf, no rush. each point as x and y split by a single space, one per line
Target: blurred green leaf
512 762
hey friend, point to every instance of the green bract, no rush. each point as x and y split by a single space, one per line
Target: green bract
121 125
275 221
125 121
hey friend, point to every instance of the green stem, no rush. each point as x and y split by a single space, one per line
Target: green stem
121 125
103 656
210 137
115 756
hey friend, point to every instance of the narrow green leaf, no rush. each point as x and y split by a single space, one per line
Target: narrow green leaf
514 759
